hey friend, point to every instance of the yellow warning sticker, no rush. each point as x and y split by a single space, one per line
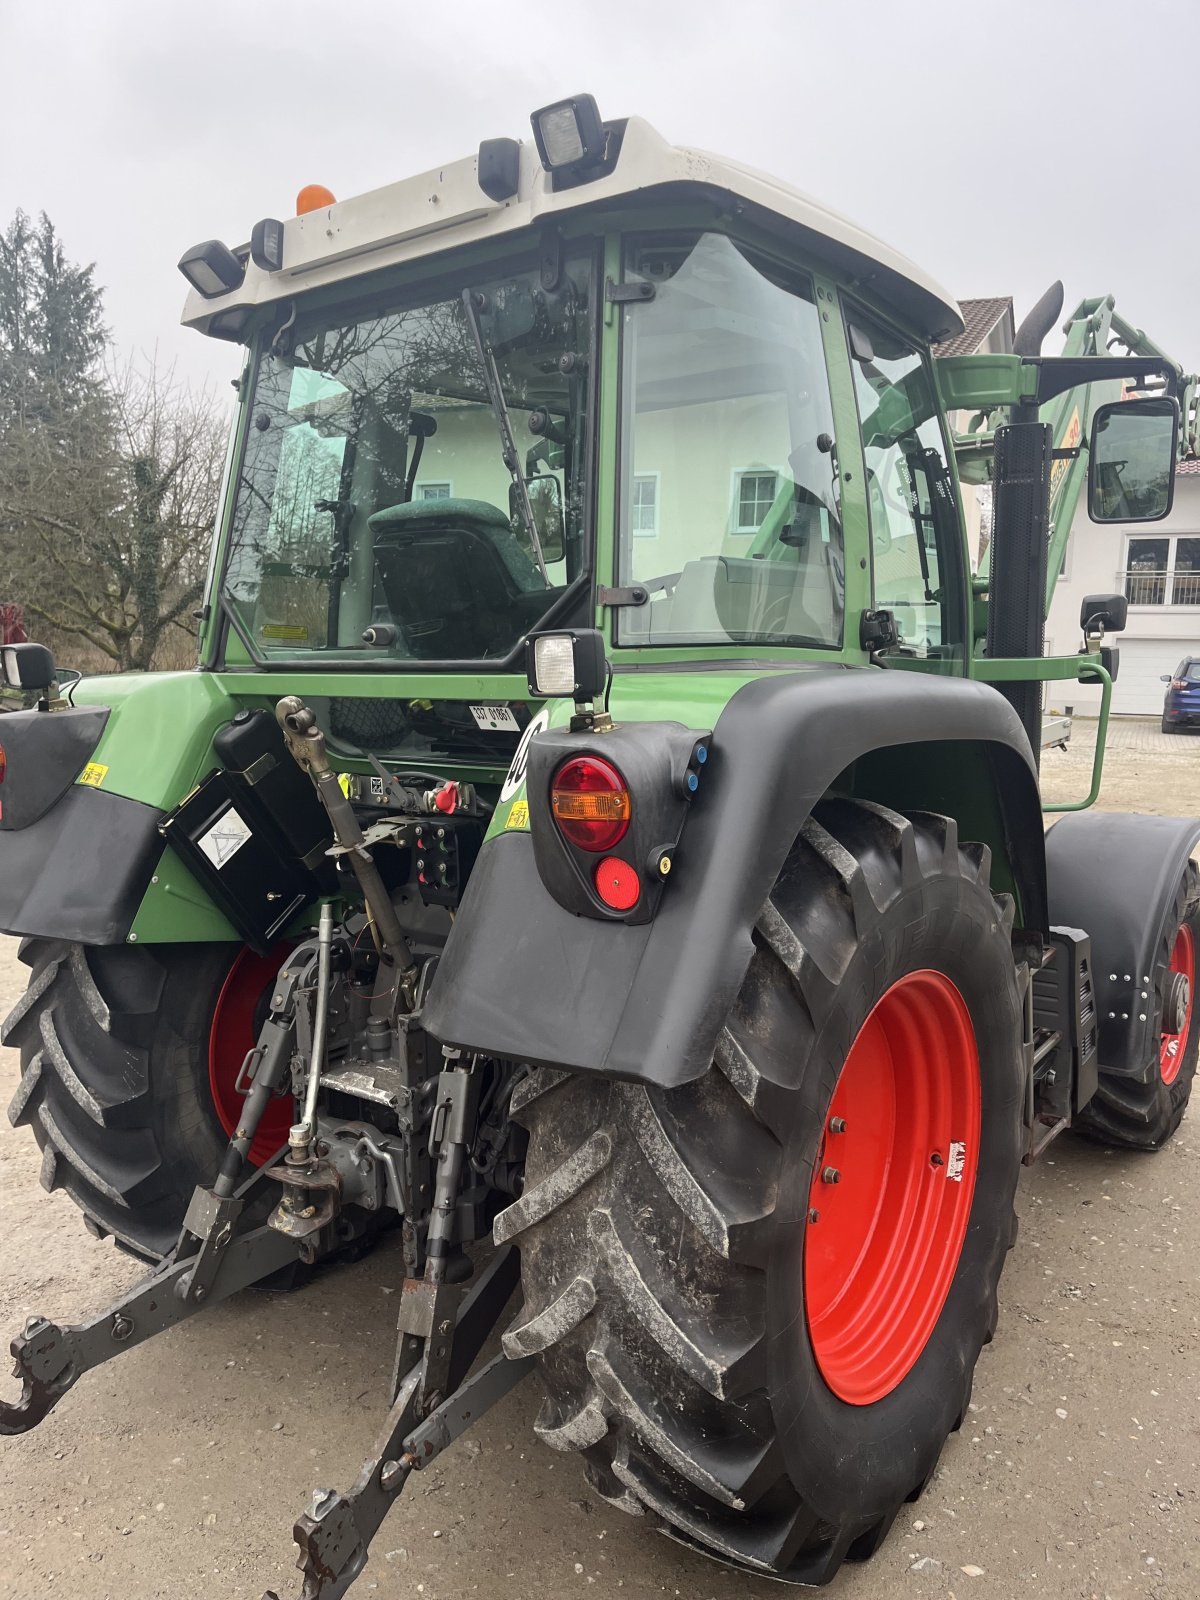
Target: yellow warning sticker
93 774
518 817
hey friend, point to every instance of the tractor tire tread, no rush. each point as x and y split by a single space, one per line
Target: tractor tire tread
644 1273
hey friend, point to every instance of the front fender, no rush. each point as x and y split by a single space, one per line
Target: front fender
1116 876
522 977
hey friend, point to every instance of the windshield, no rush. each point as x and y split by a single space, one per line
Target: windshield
413 484
730 513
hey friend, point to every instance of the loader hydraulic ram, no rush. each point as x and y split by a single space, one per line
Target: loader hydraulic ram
598 861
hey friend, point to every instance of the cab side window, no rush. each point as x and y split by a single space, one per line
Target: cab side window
916 541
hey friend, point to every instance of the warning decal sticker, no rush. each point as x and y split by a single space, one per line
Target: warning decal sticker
225 838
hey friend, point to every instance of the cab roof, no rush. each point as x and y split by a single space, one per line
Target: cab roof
424 215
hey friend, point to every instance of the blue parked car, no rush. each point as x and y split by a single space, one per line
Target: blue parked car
1181 703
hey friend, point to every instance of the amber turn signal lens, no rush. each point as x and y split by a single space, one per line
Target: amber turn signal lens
591 803
312 197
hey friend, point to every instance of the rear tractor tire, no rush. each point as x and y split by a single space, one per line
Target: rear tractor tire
1142 1112
129 1056
757 1301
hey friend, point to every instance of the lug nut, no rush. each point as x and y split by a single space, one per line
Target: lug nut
837 1124
831 1175
814 1215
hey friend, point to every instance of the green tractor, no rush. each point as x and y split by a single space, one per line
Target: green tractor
604 821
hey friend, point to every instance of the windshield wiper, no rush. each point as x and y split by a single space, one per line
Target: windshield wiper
508 445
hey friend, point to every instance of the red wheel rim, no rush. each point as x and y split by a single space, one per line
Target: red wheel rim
233 1035
1183 959
884 1236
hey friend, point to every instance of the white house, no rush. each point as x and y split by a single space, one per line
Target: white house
1157 566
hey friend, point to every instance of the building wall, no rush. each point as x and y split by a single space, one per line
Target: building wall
1097 558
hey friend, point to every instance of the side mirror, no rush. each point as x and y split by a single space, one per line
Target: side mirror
1131 463
1104 613
26 666
545 501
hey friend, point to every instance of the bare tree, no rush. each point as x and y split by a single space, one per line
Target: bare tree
120 515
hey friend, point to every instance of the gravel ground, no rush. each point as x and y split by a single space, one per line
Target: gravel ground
178 1469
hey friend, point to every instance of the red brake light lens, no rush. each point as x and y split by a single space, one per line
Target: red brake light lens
3 763
591 803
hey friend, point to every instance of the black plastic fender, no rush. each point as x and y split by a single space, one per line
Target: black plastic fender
74 860
81 871
524 978
45 751
1116 876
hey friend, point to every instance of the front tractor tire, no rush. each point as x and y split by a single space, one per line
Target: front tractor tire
129 1056
757 1301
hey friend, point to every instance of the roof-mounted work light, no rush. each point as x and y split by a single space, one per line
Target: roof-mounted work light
212 269
569 133
266 245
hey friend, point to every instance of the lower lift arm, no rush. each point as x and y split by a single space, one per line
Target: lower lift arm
441 1330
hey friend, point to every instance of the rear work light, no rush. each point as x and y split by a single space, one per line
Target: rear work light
590 802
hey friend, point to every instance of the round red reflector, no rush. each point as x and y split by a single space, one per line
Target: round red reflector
617 884
591 803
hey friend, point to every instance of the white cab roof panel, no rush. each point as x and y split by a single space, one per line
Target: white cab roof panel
435 211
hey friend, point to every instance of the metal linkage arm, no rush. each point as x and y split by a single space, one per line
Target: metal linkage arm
50 1359
334 1535
211 1261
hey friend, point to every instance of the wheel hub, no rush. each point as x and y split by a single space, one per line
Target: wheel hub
892 1189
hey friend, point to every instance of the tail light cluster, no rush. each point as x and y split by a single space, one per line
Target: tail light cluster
612 821
590 803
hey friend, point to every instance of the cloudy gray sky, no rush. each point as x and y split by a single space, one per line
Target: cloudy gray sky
1000 145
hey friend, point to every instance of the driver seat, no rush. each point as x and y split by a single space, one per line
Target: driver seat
451 572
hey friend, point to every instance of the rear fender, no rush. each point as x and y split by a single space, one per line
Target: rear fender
85 789
1116 877
523 977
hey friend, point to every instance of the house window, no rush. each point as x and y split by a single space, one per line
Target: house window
433 491
1163 571
756 493
644 510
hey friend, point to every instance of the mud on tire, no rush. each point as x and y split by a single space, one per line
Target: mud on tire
662 1232
114 1079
